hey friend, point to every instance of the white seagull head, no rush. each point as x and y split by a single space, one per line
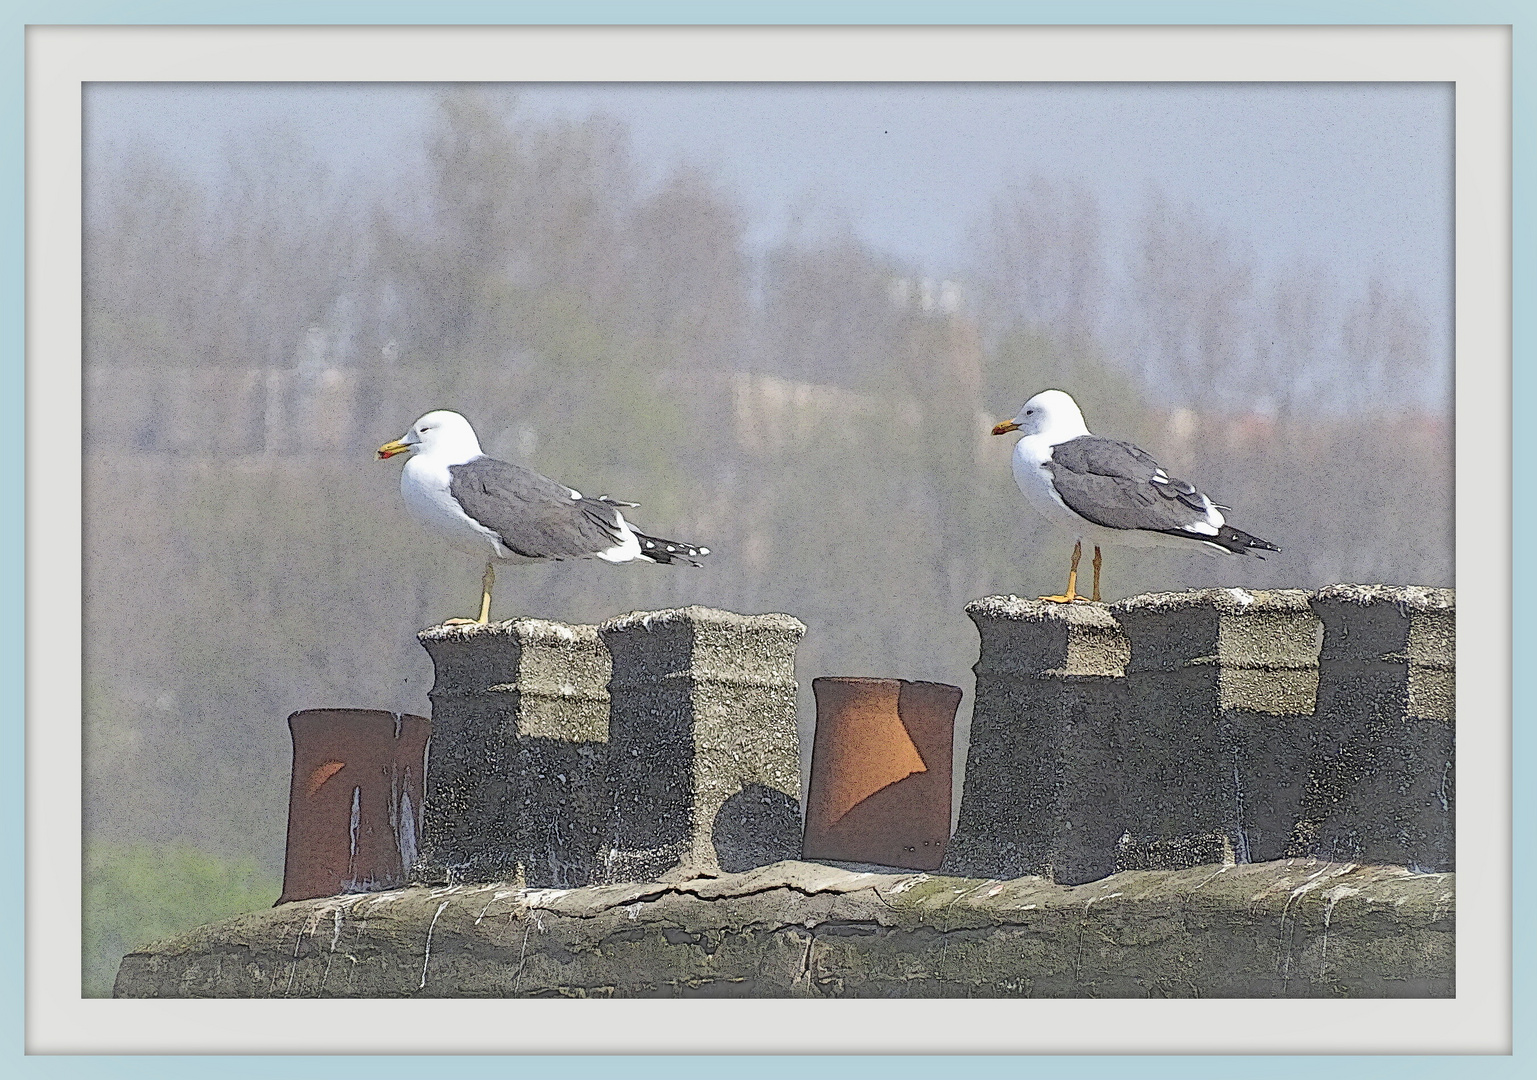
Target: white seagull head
439 434
1050 413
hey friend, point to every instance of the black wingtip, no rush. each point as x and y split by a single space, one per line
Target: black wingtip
663 551
1240 542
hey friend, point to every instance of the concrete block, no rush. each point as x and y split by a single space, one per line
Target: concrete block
1381 775
704 764
1220 691
1043 773
517 768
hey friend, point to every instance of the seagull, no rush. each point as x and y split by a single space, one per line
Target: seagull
1110 492
505 513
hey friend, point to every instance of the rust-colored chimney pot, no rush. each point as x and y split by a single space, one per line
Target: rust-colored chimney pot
355 801
880 772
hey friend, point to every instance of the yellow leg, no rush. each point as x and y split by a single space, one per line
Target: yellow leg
486 581
1072 580
1097 560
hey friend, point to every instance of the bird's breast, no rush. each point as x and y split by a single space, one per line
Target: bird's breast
1033 476
425 489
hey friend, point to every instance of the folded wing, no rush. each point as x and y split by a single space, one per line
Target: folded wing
533 515
1120 486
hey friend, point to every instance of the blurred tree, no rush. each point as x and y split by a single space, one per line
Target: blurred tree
515 290
1043 302
1388 345
144 230
288 252
827 311
1040 261
1297 363
512 213
687 273
1193 310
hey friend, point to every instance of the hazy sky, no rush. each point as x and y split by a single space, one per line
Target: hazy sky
1353 179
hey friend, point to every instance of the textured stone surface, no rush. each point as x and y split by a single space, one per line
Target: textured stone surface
659 743
1174 729
1381 775
1220 692
517 769
704 763
1288 929
1043 769
1264 642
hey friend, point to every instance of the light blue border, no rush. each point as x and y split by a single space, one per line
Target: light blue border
14 16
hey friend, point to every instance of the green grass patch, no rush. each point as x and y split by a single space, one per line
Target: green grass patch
135 894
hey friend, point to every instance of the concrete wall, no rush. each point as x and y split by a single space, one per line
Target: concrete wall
658 745
1179 729
1181 795
1166 731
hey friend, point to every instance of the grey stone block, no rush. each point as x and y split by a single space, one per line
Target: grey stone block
1381 776
1167 731
1043 772
517 767
704 763
1220 692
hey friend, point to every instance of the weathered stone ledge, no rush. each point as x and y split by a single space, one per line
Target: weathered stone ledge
1295 928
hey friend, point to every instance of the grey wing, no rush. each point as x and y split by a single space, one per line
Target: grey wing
534 515
1120 486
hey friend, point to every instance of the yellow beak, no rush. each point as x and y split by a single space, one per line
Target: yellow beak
998 429
390 449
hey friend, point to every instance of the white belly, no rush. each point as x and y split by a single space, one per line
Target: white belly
425 490
1035 484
